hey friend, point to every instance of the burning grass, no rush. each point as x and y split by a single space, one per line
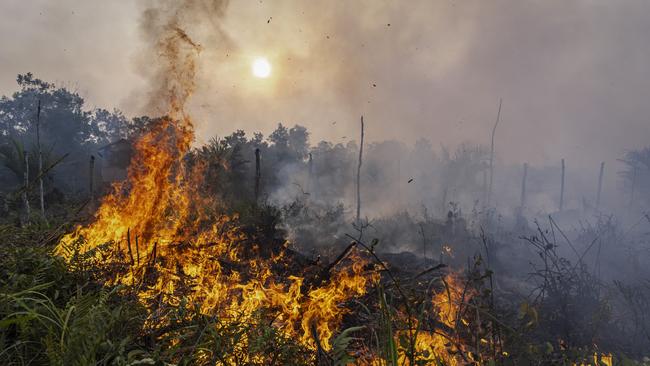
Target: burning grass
160 275
158 238
155 235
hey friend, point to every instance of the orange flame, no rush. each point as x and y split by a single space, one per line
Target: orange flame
439 345
157 222
154 221
433 345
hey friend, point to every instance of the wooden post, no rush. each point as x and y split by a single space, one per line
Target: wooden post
40 161
523 186
359 176
258 174
91 179
494 130
562 186
600 184
26 176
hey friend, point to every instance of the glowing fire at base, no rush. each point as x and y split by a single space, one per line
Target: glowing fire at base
155 234
155 222
436 346
155 231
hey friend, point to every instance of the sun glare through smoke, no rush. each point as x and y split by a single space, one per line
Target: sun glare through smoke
261 68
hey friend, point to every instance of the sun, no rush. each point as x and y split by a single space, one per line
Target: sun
261 68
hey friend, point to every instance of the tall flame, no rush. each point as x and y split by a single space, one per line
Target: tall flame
156 223
155 234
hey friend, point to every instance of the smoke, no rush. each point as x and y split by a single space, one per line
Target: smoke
170 28
572 76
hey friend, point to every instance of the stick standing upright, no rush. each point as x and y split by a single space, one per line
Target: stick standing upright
359 176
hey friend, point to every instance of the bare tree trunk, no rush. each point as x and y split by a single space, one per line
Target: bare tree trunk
40 161
258 174
523 187
600 184
562 186
494 130
359 175
91 179
25 199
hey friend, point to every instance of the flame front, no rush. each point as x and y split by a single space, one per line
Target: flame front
156 236
156 233
156 222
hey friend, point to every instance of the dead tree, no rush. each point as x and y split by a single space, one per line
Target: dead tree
562 186
523 186
359 176
91 179
600 184
494 130
26 177
40 161
258 174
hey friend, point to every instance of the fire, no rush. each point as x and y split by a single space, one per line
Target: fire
438 345
155 222
156 233
155 229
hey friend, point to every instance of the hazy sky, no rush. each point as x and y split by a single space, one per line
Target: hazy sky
573 75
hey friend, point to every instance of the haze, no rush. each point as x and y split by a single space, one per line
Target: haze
573 75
